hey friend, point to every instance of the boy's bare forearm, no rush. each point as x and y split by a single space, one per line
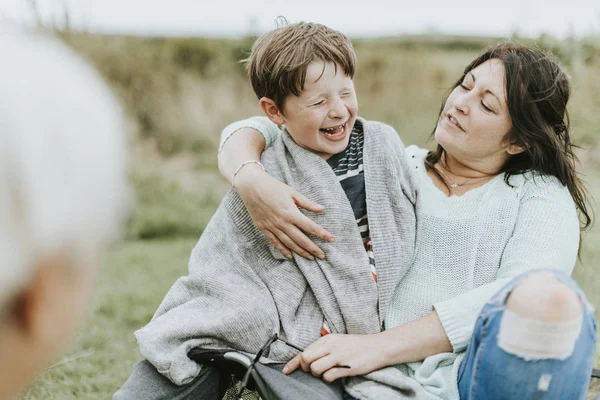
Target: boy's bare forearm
243 145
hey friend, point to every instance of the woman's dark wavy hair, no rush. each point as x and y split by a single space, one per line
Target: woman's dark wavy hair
537 91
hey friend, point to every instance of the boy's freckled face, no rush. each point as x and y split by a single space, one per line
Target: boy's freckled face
322 117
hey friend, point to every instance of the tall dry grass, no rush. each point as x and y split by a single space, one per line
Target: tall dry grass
180 93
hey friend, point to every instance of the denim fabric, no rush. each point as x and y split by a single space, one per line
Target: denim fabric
488 372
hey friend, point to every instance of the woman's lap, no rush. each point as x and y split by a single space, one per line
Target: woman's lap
490 372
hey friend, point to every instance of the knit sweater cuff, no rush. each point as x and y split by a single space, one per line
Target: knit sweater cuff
456 324
262 124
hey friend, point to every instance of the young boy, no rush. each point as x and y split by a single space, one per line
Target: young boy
240 290
317 104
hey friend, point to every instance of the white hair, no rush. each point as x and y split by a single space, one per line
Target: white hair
62 157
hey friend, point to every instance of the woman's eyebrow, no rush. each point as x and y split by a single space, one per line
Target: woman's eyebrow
487 90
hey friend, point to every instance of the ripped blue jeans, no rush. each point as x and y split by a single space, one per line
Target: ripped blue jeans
489 372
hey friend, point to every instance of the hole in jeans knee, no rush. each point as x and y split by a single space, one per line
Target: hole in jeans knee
542 296
532 339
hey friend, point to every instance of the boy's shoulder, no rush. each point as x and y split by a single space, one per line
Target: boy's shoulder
383 130
391 151
375 125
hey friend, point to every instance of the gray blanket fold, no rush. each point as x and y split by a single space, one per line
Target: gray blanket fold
240 290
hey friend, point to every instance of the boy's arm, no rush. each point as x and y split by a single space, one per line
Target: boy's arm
272 205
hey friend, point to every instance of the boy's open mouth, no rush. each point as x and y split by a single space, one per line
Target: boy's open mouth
335 133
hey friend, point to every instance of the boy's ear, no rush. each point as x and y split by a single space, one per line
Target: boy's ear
270 109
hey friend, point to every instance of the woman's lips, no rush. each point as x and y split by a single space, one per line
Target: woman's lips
453 122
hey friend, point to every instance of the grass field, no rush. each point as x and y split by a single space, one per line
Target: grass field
134 280
178 94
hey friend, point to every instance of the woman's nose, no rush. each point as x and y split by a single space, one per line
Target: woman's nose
461 103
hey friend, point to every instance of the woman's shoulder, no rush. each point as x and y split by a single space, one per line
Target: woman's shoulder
537 184
416 155
414 151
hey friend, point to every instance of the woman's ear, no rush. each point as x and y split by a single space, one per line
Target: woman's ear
513 146
271 110
514 149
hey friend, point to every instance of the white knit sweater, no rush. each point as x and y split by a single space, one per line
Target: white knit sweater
467 248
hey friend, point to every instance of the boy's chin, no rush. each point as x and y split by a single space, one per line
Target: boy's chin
331 151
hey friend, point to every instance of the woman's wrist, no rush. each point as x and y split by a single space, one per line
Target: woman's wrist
242 145
415 340
248 164
392 351
248 176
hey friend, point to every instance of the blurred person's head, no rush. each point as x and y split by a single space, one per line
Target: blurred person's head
62 196
302 74
508 113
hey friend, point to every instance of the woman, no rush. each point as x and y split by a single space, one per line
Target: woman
496 202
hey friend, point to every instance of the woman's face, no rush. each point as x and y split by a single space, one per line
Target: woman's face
475 121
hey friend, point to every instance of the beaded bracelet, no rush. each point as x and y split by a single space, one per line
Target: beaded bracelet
242 166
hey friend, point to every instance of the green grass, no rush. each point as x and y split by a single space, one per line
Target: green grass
586 272
135 279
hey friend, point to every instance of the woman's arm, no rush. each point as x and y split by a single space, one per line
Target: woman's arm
272 205
242 145
413 341
242 141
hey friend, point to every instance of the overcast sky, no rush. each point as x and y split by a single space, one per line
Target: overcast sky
353 17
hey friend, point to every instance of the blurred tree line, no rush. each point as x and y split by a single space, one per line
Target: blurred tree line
178 93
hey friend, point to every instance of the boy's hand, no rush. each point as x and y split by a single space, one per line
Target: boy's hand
273 207
336 356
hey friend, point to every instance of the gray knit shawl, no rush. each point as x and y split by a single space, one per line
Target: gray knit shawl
240 289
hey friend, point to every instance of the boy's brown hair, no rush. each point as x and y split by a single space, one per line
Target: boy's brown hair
279 59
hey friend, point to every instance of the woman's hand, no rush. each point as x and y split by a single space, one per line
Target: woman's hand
330 356
273 207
